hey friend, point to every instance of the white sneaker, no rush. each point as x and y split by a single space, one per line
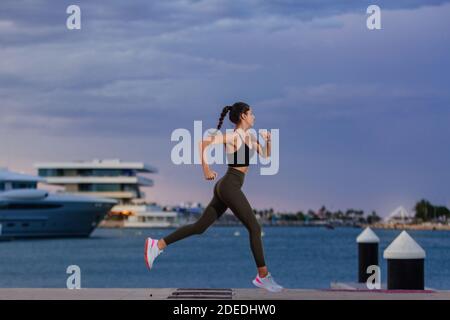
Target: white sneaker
151 252
267 283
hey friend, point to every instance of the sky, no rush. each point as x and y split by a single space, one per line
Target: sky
363 115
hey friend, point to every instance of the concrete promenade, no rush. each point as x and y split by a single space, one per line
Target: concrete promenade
222 294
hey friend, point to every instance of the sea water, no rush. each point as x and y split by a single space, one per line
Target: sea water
297 257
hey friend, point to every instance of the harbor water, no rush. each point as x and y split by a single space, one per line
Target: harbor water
298 257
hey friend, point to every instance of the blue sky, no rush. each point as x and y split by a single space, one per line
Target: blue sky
363 115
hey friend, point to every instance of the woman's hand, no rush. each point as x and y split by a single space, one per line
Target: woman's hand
266 136
210 174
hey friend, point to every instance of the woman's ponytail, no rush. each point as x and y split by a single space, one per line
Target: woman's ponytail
222 116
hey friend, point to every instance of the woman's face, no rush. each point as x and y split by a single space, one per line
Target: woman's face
249 117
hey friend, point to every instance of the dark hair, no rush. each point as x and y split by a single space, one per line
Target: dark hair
235 113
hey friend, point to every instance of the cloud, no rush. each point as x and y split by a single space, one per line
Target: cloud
349 99
137 70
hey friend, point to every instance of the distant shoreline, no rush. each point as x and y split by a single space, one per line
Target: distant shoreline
410 226
392 226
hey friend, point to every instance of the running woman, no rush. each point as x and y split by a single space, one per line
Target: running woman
227 191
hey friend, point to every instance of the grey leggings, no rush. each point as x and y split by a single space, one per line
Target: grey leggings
227 194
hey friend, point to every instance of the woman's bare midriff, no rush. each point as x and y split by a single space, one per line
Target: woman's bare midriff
241 169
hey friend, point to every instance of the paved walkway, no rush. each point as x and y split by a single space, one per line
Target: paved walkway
199 294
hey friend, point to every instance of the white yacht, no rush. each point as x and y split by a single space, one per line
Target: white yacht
149 215
26 211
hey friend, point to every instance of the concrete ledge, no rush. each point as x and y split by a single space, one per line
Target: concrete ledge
363 287
237 294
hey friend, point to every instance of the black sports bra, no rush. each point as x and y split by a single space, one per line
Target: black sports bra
232 158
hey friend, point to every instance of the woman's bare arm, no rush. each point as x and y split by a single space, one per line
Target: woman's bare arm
203 144
266 151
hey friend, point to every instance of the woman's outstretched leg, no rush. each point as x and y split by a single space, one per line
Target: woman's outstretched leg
240 206
244 212
211 213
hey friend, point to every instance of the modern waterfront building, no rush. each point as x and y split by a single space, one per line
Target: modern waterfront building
114 179
105 178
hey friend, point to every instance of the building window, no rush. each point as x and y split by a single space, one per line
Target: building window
50 172
24 185
104 187
85 187
107 187
101 172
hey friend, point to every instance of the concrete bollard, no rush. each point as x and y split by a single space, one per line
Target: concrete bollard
367 253
405 264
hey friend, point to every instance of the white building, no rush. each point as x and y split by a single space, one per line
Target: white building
102 178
